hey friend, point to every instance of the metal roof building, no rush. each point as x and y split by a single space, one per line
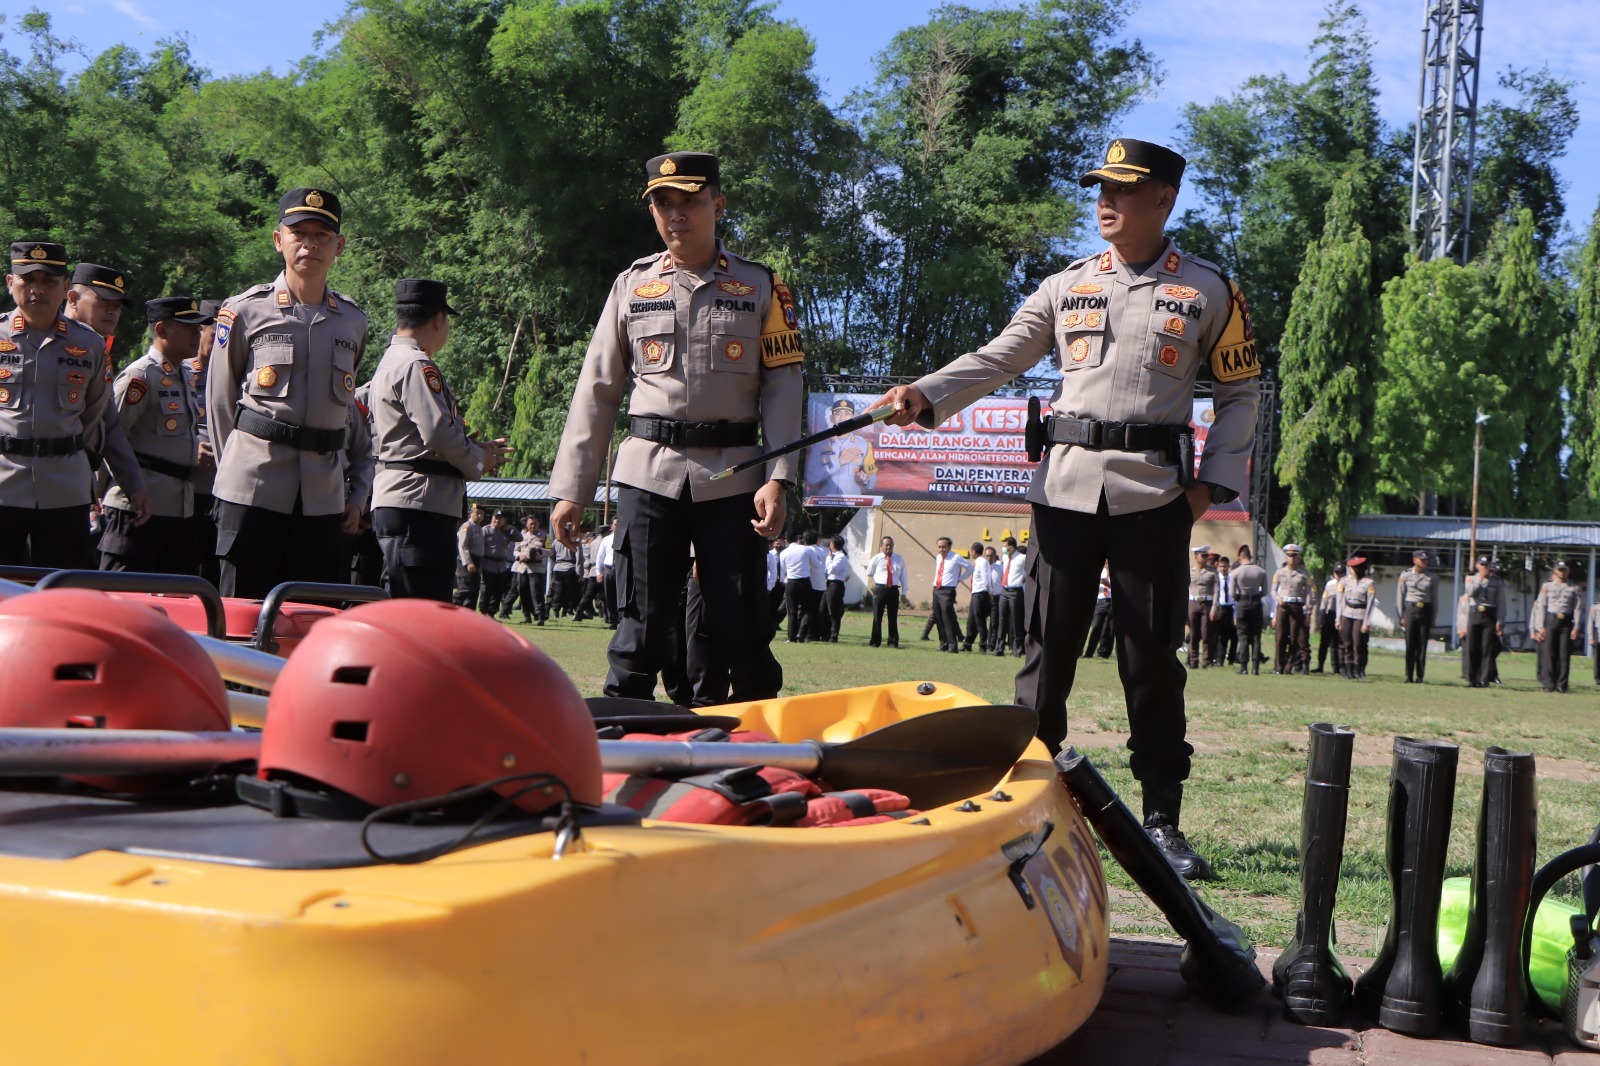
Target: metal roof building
524 491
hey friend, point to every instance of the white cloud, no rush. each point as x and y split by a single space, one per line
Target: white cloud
128 8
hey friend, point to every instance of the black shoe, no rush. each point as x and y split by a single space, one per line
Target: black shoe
999 652
1318 670
1175 848
1243 669
926 637
527 621
894 644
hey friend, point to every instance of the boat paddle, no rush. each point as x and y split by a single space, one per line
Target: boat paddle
849 425
933 759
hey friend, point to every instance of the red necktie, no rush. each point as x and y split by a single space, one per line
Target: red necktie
889 560
938 579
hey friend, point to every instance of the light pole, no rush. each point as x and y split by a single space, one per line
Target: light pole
1477 450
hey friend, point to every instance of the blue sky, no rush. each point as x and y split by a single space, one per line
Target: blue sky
1206 47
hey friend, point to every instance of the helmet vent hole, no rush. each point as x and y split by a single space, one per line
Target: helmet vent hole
77 671
353 731
352 675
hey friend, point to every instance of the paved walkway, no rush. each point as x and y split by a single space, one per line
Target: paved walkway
1148 1018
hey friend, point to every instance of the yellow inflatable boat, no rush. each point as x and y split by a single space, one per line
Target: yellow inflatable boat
973 932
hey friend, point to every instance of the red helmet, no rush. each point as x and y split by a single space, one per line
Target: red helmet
75 657
406 699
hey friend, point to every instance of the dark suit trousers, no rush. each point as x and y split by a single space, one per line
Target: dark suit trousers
885 600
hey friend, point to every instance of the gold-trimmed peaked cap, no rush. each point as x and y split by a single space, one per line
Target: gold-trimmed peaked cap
28 257
108 283
1131 162
302 205
185 309
689 171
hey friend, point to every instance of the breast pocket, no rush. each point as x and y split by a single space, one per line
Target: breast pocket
73 387
1081 349
1174 338
10 388
734 348
269 371
343 379
652 339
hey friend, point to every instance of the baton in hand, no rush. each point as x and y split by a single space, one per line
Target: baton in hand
849 426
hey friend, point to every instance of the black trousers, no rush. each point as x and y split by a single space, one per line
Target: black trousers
1146 553
1249 612
980 609
1199 630
1328 636
53 537
1290 623
775 604
260 549
496 588
203 539
1555 652
797 595
564 590
467 583
944 614
1013 626
160 546
1102 631
885 599
652 557
1222 638
530 591
1483 646
363 558
1417 622
833 601
1353 647
419 552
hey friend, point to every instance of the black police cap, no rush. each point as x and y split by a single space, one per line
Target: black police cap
305 205
107 282
209 308
423 292
689 171
185 309
30 257
1131 162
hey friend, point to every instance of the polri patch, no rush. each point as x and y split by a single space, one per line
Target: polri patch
736 288
76 352
651 289
1180 292
1087 288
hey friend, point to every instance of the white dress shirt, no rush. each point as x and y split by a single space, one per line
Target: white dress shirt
1105 584
887 569
796 562
819 567
838 566
772 568
1016 570
948 570
983 578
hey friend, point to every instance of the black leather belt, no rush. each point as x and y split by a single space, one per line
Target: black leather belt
164 466
437 467
302 437
694 434
1113 436
41 446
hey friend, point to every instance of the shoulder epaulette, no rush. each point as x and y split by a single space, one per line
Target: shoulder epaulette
345 301
1208 264
1079 262
253 292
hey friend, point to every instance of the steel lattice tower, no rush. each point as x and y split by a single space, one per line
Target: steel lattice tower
1447 120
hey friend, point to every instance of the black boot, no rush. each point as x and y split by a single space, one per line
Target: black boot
1404 982
1308 976
1486 980
1162 808
1218 961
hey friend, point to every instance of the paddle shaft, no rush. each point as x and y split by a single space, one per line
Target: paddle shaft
848 426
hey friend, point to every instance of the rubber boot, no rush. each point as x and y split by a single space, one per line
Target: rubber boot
1312 982
1404 981
1485 983
1218 961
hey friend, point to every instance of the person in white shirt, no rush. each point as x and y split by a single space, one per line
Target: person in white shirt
818 629
1012 627
949 570
886 573
606 574
980 608
775 577
1223 636
1102 631
795 561
836 569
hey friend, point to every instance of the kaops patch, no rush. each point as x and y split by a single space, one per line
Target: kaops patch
1235 357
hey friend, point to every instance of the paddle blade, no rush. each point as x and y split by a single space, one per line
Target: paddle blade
934 759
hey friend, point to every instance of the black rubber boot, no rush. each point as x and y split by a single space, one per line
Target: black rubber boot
1486 980
1218 961
1404 981
1312 982
1162 809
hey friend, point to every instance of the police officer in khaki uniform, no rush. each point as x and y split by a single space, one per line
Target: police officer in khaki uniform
1291 590
203 527
1249 584
1131 328
706 347
55 386
1357 595
281 381
1594 639
1202 594
425 454
1416 600
1485 623
1555 622
157 414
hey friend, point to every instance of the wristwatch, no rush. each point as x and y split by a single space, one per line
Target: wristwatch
1219 494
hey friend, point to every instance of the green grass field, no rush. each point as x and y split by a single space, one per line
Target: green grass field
1242 805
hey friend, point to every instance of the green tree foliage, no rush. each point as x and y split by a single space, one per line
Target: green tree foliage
1582 352
1328 371
1439 370
1518 146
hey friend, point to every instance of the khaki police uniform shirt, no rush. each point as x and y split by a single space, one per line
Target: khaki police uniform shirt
1486 598
1356 597
1202 585
1291 585
159 415
415 416
194 374
1560 598
54 382
469 542
1332 589
497 546
358 453
296 364
725 347
1249 583
1421 588
1130 347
